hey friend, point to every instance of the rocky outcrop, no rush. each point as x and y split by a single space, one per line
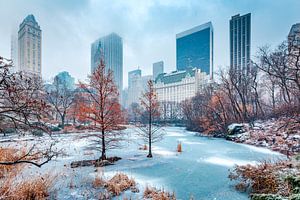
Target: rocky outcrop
96 163
282 135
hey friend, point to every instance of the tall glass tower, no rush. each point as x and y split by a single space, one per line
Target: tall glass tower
110 49
29 46
194 48
240 42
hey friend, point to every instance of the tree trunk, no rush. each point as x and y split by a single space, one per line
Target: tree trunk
150 136
63 121
103 153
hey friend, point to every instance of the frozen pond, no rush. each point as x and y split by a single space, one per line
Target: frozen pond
201 170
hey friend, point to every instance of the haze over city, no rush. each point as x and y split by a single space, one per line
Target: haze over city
148 29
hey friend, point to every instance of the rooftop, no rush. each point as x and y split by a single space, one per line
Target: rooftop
295 29
175 76
195 29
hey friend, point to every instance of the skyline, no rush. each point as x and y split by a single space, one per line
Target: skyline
147 28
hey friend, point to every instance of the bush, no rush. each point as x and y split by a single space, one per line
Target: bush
37 188
119 183
266 197
295 197
55 128
156 194
38 133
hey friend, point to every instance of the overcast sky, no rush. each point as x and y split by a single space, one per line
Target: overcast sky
148 28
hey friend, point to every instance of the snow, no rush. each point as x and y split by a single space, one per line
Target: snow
201 169
227 162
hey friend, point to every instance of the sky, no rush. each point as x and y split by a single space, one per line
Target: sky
148 28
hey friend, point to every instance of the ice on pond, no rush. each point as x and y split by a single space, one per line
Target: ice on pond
227 162
200 170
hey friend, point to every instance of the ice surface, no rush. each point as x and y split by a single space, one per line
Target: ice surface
200 170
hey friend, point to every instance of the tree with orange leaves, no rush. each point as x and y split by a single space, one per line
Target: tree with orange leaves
102 110
150 105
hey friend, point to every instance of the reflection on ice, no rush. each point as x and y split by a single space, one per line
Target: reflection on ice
227 162
261 149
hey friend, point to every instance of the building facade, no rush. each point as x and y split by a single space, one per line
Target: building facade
294 37
180 85
14 51
110 49
30 46
240 42
157 68
194 48
135 86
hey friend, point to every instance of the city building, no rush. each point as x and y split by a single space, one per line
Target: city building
294 37
64 79
194 48
178 86
29 46
145 80
240 42
110 49
158 68
135 86
14 51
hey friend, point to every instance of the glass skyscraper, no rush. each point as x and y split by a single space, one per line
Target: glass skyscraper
240 42
158 68
110 49
194 48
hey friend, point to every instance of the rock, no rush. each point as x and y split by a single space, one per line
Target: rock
235 129
102 163
134 190
82 163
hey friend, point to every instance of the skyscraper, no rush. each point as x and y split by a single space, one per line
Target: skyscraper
14 51
134 86
29 45
240 42
158 68
294 37
194 48
110 49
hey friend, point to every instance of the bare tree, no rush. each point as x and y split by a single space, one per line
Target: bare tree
22 108
61 97
102 109
149 132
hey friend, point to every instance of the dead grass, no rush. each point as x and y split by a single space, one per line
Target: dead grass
37 188
156 194
98 182
144 147
262 178
119 183
33 189
7 154
13 186
179 147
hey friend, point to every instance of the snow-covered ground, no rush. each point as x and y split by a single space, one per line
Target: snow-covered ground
201 170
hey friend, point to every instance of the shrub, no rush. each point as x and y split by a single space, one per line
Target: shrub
156 194
266 197
38 133
37 188
261 179
119 183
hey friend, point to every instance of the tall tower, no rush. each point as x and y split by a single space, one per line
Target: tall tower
158 68
294 37
110 49
134 86
240 42
194 48
29 45
14 51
